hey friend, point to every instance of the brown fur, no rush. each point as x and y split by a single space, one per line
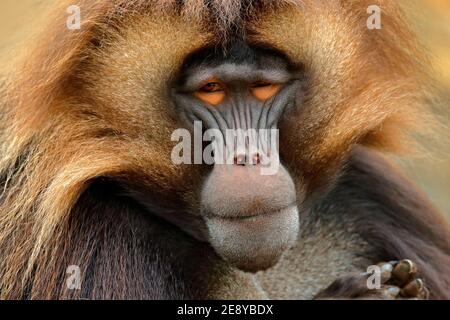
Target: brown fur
364 86
91 105
373 214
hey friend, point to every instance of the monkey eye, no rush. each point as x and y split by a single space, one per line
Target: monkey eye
212 87
264 90
212 93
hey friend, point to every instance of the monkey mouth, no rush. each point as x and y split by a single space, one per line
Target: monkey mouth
254 242
253 213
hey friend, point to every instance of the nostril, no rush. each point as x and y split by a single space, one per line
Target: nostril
242 160
256 159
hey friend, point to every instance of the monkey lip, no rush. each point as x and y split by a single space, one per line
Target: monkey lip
254 242
253 214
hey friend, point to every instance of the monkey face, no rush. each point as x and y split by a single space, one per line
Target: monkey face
250 211
87 167
162 73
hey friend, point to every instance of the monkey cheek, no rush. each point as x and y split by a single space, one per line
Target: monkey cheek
254 243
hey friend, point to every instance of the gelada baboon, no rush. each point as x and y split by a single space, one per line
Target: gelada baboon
88 180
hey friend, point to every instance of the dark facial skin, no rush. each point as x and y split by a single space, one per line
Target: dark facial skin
251 217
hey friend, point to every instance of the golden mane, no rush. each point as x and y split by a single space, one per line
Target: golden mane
47 158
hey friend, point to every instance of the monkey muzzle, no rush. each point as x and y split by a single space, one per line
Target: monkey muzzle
248 200
251 218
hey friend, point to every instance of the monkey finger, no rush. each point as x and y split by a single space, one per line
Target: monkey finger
403 272
386 269
391 292
413 289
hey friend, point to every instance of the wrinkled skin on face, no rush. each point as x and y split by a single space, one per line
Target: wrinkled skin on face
251 214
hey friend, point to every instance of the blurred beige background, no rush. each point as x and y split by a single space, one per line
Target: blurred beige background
430 19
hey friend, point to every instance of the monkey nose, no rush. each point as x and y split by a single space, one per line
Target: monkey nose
243 159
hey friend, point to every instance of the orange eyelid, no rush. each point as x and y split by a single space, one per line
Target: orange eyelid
265 92
213 98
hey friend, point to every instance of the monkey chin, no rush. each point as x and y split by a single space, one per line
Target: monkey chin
255 242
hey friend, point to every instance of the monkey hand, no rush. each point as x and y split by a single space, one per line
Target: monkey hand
398 280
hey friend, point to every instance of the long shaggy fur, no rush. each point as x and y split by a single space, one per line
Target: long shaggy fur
62 130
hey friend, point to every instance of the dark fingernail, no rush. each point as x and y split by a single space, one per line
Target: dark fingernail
412 289
403 271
